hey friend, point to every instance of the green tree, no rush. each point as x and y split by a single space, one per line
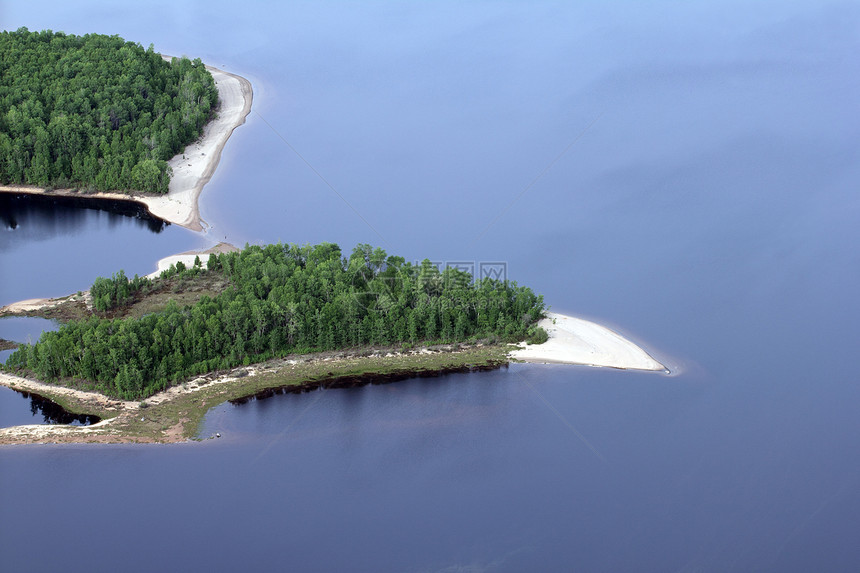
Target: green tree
281 299
95 111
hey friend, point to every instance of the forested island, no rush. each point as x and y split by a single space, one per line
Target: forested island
96 112
274 301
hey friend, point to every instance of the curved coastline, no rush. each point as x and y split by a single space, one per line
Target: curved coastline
571 341
574 340
192 169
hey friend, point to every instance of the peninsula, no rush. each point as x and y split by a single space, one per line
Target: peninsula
279 318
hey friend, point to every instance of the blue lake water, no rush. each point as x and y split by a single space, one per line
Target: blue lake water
685 172
22 329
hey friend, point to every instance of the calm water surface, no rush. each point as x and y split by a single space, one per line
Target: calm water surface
687 172
17 408
55 247
22 329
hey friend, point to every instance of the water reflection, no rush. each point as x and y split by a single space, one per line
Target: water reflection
359 380
53 246
40 217
36 409
53 413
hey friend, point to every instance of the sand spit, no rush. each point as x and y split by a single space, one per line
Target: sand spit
108 430
576 341
42 304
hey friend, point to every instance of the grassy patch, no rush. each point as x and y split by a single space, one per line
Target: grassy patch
185 290
157 301
310 371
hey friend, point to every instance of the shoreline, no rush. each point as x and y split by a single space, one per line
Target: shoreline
192 169
174 415
577 341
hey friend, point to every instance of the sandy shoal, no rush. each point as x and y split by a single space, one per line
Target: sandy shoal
192 169
28 305
577 341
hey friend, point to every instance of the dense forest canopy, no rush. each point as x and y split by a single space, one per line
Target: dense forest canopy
95 111
282 299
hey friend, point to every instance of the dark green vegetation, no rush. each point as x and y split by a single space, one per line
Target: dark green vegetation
537 335
117 291
95 111
121 296
282 299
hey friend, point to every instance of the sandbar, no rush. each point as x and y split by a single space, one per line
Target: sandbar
192 169
577 341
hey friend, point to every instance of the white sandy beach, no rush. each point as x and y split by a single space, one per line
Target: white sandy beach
194 168
576 341
191 169
187 258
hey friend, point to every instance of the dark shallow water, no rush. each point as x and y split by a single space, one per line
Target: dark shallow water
686 172
55 246
23 408
17 408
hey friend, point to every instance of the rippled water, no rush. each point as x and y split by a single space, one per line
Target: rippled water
686 172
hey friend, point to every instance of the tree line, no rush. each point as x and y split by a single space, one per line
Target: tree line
110 293
284 299
96 111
